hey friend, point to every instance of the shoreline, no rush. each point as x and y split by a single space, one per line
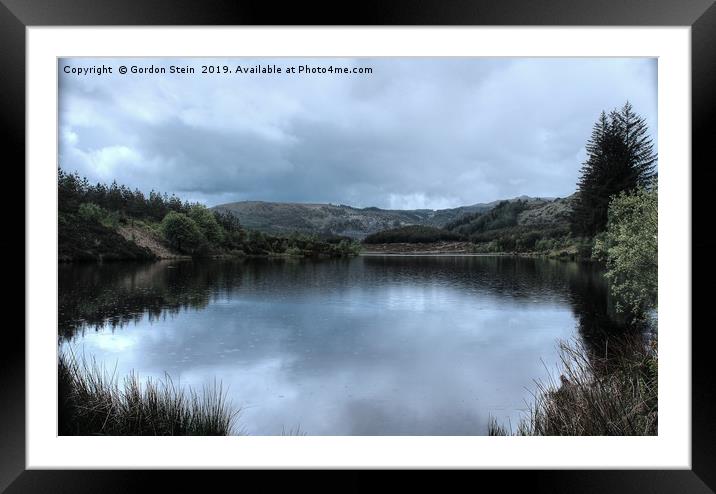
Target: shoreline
183 257
396 253
459 249
439 254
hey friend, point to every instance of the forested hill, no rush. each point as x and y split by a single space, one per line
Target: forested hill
330 219
518 225
112 222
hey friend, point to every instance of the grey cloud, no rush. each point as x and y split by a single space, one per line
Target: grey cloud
420 132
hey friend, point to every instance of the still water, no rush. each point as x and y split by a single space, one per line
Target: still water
365 346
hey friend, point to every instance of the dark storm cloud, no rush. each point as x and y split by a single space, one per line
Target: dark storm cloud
416 133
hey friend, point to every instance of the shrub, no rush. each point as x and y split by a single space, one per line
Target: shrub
545 244
89 211
293 251
585 247
629 248
347 248
182 233
207 223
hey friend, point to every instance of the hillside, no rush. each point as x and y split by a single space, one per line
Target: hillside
323 219
523 212
518 225
553 213
329 219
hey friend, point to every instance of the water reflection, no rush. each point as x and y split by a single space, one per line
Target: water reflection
372 345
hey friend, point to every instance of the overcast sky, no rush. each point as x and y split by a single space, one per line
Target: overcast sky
416 133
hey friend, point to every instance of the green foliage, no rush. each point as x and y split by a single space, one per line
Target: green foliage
293 251
91 212
412 234
550 243
630 249
545 244
300 244
207 223
584 247
501 230
74 190
501 216
182 233
346 248
620 157
522 239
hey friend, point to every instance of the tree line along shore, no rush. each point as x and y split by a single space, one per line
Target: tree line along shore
112 222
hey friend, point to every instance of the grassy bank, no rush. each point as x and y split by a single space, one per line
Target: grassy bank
614 394
569 252
549 242
93 402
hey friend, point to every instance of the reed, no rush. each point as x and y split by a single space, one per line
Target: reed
613 394
93 402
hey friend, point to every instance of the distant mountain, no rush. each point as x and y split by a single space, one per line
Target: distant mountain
329 219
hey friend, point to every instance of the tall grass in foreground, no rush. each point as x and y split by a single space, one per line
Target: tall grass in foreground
614 394
92 402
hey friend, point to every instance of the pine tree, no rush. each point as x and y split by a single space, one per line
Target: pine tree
620 157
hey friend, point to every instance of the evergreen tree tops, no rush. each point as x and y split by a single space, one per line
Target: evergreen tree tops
620 157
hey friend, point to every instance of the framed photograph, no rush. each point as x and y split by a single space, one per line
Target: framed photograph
423 237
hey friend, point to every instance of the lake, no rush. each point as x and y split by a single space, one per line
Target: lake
373 345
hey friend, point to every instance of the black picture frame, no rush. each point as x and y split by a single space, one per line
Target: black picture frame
16 15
